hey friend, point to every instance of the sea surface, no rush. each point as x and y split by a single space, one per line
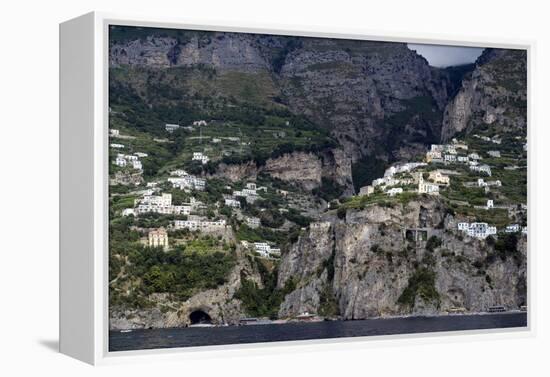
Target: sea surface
203 336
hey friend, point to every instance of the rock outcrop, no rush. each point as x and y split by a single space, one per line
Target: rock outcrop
376 263
491 96
219 304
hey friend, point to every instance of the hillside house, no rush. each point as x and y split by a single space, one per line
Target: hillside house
141 154
394 191
265 250
232 203
158 238
114 133
481 169
431 156
136 164
490 204
199 156
116 146
198 123
128 212
171 127
253 222
188 182
448 158
463 159
438 177
477 230
495 154
366 190
427 187
199 224
120 161
474 156
512 228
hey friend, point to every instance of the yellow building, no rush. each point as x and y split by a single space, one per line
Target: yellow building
438 177
158 238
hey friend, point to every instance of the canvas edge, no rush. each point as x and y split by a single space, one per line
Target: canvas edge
100 340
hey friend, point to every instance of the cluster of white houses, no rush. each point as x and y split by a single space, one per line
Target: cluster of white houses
250 193
484 230
263 248
123 160
171 127
477 230
199 156
200 224
184 181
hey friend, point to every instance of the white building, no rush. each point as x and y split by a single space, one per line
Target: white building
265 250
199 123
494 154
463 226
116 146
171 127
141 154
120 161
474 156
158 238
136 164
128 212
490 204
199 224
232 203
199 156
253 222
478 230
512 228
433 155
481 169
449 157
114 133
394 191
427 187
463 159
189 182
481 182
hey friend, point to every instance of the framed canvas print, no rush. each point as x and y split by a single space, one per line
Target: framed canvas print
225 186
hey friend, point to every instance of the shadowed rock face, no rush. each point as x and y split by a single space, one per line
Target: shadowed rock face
494 95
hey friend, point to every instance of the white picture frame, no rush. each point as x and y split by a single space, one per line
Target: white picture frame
84 187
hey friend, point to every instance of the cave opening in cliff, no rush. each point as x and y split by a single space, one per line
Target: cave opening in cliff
199 316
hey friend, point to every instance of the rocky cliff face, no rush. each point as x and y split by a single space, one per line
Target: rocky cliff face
305 170
491 97
370 265
165 311
376 98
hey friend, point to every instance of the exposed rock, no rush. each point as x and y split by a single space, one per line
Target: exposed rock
374 261
301 168
238 172
490 96
218 303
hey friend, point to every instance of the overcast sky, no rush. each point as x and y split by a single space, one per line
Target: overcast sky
444 56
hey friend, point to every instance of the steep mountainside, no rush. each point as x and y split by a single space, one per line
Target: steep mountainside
494 96
380 101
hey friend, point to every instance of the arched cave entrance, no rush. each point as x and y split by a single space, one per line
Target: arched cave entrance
199 316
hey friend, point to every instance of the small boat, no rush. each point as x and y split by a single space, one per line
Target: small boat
126 330
496 309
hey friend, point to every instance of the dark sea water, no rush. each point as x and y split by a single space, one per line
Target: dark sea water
194 336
